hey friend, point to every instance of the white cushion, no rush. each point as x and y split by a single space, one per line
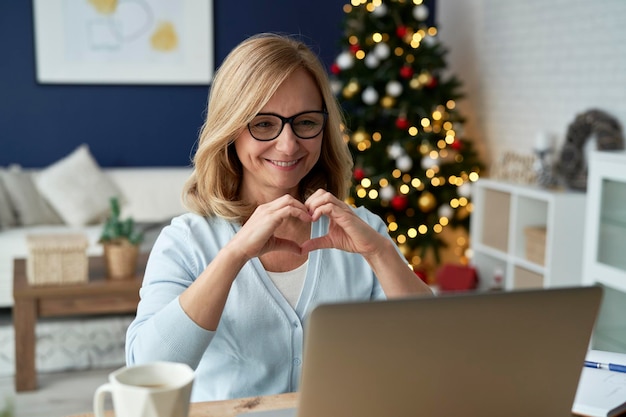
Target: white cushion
76 188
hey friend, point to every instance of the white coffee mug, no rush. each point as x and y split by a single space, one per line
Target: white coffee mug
157 389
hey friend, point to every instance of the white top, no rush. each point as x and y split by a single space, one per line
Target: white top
290 283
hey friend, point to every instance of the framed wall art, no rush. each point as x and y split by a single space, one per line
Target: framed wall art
123 41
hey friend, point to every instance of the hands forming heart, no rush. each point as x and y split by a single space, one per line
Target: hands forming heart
347 231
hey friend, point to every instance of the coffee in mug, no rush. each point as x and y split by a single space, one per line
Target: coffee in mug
157 389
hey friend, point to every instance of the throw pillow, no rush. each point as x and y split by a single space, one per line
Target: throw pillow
29 206
7 213
77 188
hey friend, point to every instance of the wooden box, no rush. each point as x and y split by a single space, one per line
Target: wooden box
57 259
536 244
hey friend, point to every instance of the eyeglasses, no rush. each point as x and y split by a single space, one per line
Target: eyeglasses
305 125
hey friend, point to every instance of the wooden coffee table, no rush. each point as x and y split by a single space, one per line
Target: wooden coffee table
97 296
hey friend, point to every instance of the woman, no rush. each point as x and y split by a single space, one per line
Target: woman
229 286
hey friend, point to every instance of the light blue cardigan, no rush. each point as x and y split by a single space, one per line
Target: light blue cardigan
257 347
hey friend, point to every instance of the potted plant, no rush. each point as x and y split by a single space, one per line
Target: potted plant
121 243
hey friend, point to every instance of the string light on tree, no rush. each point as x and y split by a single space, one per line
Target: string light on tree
407 142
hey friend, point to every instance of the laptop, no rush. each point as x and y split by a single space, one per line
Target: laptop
516 353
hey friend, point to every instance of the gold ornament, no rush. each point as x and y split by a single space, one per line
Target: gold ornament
360 136
427 202
351 89
387 102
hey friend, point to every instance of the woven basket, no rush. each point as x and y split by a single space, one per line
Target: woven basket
121 259
57 259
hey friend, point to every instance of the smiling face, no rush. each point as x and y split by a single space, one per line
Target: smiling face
274 168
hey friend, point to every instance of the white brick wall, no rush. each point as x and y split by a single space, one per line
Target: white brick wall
531 66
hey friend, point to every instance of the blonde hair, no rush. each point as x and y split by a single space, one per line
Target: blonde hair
244 83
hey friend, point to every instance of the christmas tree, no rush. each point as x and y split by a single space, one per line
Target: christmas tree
412 165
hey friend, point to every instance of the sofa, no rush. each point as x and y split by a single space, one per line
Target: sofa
31 202
150 195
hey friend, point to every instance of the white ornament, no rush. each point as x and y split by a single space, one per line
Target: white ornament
445 211
336 86
345 60
394 88
380 10
371 61
420 12
428 162
429 40
369 95
464 190
387 193
382 50
395 151
404 163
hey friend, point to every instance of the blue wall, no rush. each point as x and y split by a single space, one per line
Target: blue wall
131 125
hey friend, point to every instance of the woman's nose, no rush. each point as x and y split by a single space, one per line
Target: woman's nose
287 141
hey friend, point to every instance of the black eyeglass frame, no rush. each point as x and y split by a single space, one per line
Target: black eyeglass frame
289 121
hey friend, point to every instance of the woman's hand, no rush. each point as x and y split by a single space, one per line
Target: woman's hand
347 231
256 236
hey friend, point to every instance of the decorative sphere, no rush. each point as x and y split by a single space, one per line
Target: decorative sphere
360 136
427 202
404 163
445 211
395 151
335 86
371 61
464 190
387 193
345 60
380 11
394 88
388 102
369 96
399 202
420 12
406 72
382 50
428 162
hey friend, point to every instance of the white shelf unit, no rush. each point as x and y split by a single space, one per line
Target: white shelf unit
503 212
604 260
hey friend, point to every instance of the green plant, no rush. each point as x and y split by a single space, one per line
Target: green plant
116 230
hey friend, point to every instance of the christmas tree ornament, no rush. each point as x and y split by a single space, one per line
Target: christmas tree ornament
420 12
402 122
371 61
358 174
401 31
369 96
382 51
360 136
345 60
394 88
464 190
351 89
404 163
428 162
406 72
336 86
426 202
445 211
387 102
387 193
399 202
395 151
334 69
380 10
355 48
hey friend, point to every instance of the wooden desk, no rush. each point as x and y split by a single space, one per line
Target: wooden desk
96 297
230 408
